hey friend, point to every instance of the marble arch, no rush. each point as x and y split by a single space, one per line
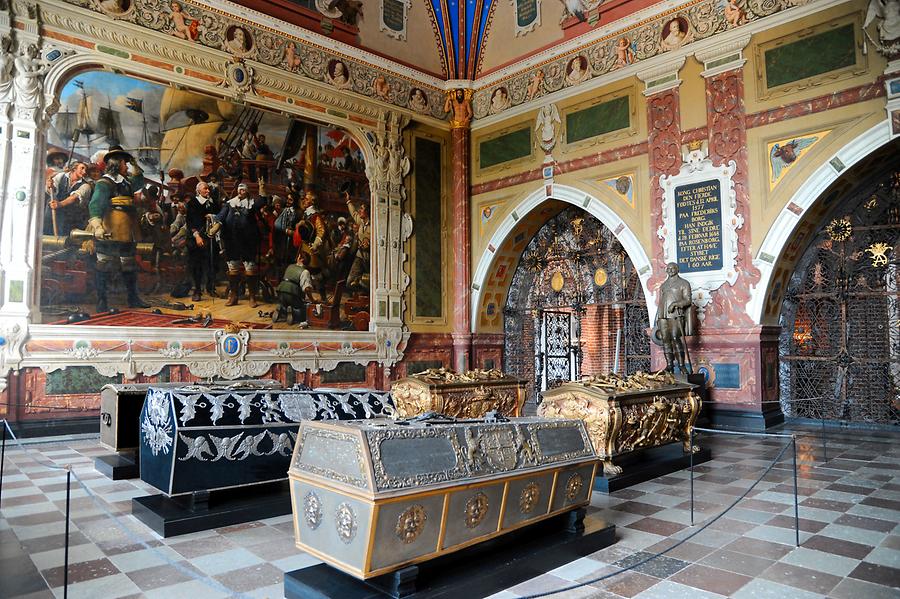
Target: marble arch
785 226
577 197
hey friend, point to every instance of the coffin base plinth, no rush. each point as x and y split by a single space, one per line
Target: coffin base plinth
173 516
118 466
646 464
478 571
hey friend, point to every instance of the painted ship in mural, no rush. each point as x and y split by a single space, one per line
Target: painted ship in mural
237 215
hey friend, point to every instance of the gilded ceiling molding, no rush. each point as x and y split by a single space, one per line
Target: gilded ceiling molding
617 50
207 29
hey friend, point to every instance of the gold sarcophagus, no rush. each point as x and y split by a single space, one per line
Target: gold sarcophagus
470 394
624 414
372 496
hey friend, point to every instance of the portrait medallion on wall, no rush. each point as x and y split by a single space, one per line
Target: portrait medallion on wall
238 41
236 215
499 100
338 74
675 34
577 70
418 101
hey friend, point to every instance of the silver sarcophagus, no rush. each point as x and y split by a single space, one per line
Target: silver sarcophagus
203 438
370 497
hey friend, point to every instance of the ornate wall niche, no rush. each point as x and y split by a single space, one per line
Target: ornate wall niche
826 53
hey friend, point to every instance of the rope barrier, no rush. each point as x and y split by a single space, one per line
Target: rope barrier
684 540
131 536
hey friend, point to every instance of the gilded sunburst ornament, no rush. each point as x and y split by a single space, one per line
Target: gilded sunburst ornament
839 229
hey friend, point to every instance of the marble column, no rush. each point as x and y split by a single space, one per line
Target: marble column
459 104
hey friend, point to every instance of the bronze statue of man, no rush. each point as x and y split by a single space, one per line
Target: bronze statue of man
674 319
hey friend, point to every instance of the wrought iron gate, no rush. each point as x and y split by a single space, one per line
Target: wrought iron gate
557 350
840 340
573 264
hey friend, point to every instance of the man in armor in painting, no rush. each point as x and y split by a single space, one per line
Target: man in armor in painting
114 223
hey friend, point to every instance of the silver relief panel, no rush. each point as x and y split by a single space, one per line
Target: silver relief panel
473 513
325 538
572 487
333 455
527 498
422 512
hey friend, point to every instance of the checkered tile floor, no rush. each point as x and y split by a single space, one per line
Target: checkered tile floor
849 510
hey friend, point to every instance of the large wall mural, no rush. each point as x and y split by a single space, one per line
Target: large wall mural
220 213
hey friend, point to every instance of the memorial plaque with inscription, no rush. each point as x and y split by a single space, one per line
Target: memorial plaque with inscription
526 12
393 14
698 226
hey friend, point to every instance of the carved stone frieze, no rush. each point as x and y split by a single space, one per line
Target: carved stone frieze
642 41
206 32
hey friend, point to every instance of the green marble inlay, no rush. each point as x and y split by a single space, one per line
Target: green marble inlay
597 120
506 147
724 60
113 51
428 279
16 291
827 51
77 380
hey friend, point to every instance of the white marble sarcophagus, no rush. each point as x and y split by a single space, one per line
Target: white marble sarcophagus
204 438
370 497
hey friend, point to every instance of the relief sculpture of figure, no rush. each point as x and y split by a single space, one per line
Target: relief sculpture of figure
674 320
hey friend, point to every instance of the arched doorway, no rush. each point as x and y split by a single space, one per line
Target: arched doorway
840 318
575 305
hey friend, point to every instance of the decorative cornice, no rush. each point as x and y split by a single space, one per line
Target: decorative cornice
295 58
723 57
709 28
662 77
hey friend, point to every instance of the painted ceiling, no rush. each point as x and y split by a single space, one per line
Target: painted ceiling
462 26
453 39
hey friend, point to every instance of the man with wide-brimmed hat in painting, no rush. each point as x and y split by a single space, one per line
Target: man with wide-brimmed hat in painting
114 223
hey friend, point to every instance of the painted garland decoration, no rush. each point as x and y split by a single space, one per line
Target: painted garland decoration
411 523
476 509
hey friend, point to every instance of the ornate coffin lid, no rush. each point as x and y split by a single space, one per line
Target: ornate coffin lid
449 379
616 387
383 458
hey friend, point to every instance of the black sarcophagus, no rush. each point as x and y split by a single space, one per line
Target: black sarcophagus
202 438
